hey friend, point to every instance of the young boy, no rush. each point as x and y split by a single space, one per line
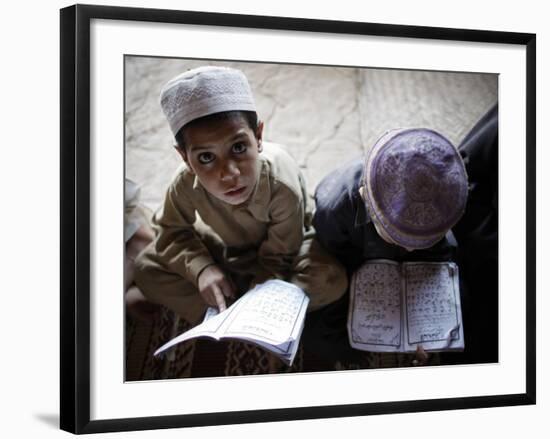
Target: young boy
402 202
236 213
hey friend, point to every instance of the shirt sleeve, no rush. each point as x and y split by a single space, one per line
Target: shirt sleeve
284 237
177 245
334 223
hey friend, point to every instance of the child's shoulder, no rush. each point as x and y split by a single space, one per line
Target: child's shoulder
282 167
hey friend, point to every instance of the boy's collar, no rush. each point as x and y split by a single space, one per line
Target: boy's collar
261 196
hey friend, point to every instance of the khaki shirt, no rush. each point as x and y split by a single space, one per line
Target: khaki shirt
269 228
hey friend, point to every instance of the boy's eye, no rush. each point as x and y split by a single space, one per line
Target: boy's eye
239 148
205 157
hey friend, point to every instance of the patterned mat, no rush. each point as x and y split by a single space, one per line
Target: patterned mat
208 358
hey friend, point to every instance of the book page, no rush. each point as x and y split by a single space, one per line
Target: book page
211 326
432 299
273 312
374 322
271 315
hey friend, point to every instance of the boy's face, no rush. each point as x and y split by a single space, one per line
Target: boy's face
224 157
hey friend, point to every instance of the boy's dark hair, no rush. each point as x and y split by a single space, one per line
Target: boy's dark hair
250 117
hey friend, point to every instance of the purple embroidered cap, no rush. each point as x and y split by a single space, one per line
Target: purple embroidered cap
416 186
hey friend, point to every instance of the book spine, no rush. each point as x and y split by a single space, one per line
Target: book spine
403 307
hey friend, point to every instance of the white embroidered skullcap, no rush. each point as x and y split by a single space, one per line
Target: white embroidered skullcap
204 91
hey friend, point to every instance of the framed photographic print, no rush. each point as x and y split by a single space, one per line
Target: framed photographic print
327 91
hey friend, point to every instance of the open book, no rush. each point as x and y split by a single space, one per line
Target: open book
395 307
271 315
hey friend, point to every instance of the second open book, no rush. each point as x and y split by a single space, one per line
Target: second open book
395 307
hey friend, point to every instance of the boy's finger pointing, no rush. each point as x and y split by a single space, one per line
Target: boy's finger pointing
220 301
228 288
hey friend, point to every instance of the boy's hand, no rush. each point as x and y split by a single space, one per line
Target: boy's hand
421 357
214 286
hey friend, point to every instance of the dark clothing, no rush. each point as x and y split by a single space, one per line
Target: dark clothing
477 236
345 229
479 150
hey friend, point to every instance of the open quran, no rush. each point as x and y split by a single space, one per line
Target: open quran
271 315
395 307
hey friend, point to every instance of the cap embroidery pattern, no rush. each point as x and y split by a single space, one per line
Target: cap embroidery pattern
416 186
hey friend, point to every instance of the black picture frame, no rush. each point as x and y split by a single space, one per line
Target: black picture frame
75 217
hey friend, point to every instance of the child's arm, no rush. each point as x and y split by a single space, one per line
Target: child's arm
181 250
177 245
